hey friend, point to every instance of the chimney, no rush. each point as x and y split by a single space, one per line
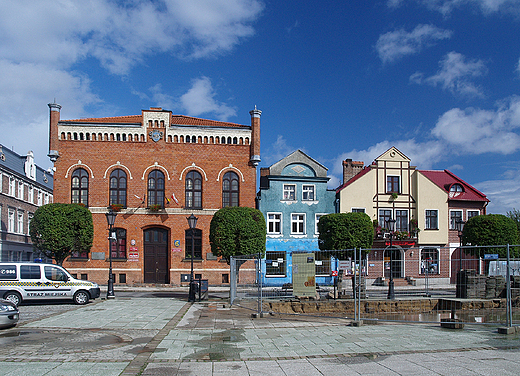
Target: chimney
255 136
351 169
53 130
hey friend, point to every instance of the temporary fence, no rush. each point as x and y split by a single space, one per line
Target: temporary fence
473 285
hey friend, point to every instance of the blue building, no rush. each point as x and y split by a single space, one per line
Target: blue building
293 196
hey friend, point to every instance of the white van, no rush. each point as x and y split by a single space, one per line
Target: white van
21 281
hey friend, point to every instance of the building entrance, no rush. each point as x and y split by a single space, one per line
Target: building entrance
156 256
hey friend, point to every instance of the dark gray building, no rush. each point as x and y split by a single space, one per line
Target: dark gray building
23 188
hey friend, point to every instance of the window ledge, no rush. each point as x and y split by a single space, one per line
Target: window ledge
194 260
274 235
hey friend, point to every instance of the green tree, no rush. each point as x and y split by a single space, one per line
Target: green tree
237 231
57 230
490 229
515 216
344 232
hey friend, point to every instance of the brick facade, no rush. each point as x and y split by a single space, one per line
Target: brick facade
156 140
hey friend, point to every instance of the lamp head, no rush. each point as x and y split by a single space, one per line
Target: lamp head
111 217
192 221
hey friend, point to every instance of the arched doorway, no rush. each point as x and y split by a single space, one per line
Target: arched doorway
156 255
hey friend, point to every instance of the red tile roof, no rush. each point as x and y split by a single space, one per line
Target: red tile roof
445 179
175 120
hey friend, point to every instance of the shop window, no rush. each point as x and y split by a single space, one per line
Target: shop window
118 246
430 261
323 261
275 263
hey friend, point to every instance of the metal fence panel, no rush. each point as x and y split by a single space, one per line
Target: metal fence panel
430 284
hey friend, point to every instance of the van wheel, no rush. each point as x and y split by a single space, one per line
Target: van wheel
13 297
81 297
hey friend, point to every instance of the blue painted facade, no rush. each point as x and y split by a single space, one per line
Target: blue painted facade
293 195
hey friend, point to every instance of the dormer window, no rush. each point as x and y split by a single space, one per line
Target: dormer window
456 189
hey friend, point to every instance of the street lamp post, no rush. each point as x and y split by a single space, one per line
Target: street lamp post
391 292
460 228
192 222
111 218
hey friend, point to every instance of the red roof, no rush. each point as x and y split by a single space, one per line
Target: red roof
446 179
175 120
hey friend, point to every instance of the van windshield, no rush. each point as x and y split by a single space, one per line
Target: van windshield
55 274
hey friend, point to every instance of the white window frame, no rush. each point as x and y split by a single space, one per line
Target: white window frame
306 190
407 223
273 221
30 194
46 199
12 187
287 192
453 226
468 216
438 260
1 182
40 198
19 222
317 217
299 221
11 220
20 191
426 219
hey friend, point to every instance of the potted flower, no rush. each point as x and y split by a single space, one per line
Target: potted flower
116 207
394 195
155 207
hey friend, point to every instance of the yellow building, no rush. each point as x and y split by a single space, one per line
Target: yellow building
418 211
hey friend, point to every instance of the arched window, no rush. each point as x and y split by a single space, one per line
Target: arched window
118 187
118 246
193 192
79 187
156 188
196 234
230 189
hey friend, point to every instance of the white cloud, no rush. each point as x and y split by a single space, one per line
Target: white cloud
455 75
399 43
477 131
43 43
121 34
25 89
447 6
277 151
200 99
504 194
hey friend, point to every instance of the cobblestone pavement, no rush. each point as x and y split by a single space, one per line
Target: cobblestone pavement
167 336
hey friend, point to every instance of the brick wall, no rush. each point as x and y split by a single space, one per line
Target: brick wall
137 159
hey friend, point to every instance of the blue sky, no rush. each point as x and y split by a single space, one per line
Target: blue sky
438 79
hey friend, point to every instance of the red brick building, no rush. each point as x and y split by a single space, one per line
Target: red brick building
157 168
